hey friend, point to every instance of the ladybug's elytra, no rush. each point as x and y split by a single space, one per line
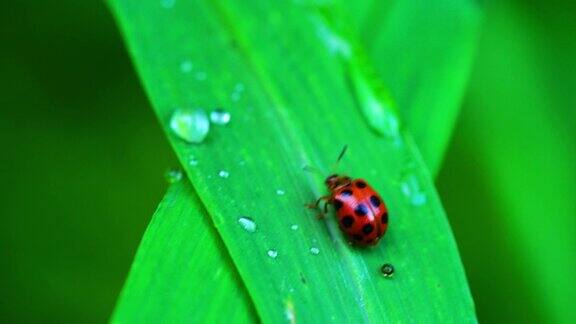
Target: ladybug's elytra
361 212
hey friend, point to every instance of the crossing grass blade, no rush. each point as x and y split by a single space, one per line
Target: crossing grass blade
423 51
297 108
165 285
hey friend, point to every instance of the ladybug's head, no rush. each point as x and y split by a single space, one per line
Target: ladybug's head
334 181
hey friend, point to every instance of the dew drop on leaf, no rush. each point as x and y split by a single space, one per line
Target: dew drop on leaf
224 174
315 250
220 116
280 192
186 66
247 223
237 92
412 190
294 227
239 87
193 161
201 76
167 4
272 253
289 311
387 270
173 175
191 125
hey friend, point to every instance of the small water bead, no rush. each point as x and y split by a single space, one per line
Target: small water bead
289 311
387 270
167 4
191 125
235 96
280 192
294 227
186 66
237 92
247 223
411 188
314 250
224 174
335 43
239 87
201 76
220 116
193 161
173 175
272 253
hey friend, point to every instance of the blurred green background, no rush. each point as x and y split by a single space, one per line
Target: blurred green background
83 158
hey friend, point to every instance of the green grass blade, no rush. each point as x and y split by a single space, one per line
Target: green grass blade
297 108
524 150
181 263
423 52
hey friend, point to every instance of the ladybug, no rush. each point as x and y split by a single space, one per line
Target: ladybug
362 214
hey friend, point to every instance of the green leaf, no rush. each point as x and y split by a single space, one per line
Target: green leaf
423 51
181 263
523 141
297 107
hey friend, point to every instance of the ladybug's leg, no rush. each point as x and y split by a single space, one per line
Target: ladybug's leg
315 205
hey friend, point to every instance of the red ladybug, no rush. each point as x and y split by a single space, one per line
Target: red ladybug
362 214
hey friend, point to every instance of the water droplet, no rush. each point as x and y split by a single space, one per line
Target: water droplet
235 96
412 190
334 42
247 223
272 253
239 87
314 250
220 116
173 175
201 76
375 102
387 270
294 227
237 92
167 4
193 161
186 66
224 174
191 125
280 192
289 310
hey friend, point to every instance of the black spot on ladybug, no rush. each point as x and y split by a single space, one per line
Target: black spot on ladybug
337 204
368 228
357 237
346 192
360 184
361 210
347 221
374 201
385 218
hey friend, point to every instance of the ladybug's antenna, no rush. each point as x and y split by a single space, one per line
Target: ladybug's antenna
309 168
335 165
341 154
